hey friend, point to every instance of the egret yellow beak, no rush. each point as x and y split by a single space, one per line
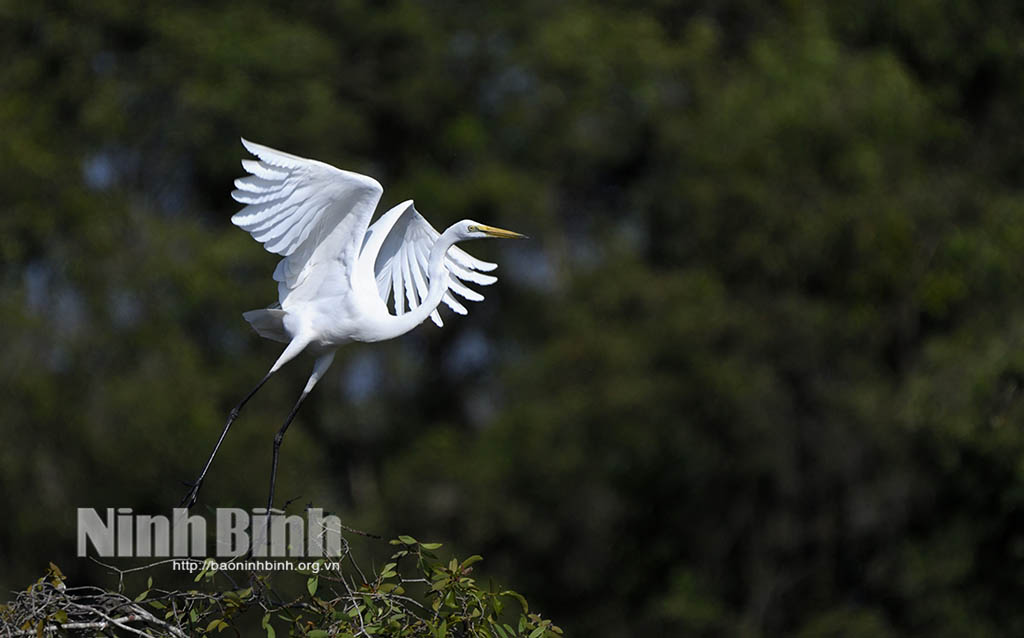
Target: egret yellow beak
500 233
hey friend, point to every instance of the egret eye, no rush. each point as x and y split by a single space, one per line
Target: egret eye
473 229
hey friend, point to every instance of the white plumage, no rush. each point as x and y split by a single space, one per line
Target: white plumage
338 273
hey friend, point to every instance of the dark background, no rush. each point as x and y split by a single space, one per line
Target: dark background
758 373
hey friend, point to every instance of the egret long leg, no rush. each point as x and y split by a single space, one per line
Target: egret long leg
277 448
294 347
319 368
264 538
193 493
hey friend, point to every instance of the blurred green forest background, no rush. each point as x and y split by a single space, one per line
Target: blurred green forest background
758 373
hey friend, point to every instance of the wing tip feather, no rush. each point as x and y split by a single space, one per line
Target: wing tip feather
250 146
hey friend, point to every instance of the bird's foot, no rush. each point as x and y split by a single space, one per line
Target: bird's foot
192 496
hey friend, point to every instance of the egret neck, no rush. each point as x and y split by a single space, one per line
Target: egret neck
438 274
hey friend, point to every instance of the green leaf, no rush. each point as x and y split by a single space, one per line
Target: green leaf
519 597
408 540
265 623
317 633
475 558
431 545
312 584
536 633
57 574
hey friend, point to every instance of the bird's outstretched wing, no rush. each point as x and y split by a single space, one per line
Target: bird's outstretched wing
404 239
308 212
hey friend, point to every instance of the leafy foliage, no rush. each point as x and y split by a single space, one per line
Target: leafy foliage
416 595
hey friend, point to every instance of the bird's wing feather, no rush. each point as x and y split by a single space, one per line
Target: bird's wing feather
310 213
402 239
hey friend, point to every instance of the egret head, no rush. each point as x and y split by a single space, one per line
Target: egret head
469 229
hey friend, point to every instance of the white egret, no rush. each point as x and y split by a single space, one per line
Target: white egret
338 272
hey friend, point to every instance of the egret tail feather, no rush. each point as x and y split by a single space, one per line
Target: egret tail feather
268 323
